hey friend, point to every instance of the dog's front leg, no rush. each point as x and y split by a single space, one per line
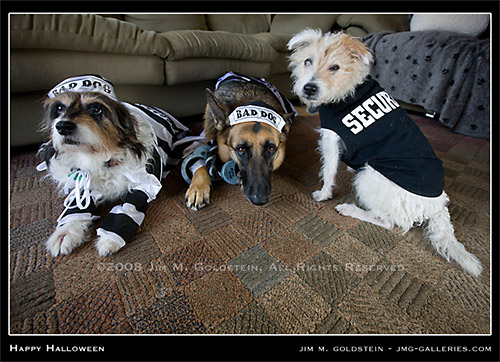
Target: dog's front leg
198 193
329 147
123 221
67 237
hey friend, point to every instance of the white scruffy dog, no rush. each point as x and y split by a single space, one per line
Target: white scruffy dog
399 180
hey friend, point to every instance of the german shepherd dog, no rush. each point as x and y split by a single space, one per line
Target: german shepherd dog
255 145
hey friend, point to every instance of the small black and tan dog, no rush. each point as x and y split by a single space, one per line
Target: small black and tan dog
102 150
248 121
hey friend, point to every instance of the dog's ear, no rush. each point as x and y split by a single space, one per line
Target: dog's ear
126 126
46 101
218 111
46 152
286 129
364 53
288 116
304 38
359 50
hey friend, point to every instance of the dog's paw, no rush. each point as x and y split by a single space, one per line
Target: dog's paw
321 195
360 214
106 246
66 238
198 193
197 196
346 209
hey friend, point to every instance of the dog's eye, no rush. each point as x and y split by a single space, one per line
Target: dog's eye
308 61
95 109
241 150
56 110
271 149
334 68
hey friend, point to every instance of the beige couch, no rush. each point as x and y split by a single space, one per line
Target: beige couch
162 60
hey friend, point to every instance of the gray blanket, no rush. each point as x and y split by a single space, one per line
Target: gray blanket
440 71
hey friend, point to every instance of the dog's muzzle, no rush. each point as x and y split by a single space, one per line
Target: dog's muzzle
65 128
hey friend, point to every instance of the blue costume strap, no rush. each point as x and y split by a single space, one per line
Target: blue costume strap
228 172
200 153
212 160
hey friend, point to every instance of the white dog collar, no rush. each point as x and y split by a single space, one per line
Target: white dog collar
253 113
84 83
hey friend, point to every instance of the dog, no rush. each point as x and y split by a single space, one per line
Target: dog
101 151
247 122
399 180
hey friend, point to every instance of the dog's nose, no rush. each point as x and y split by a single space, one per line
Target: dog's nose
310 89
259 199
258 190
65 128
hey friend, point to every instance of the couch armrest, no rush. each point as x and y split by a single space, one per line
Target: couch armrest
79 32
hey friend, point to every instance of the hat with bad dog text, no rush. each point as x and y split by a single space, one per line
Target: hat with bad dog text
85 83
256 113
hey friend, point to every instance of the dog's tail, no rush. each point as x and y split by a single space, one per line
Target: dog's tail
441 233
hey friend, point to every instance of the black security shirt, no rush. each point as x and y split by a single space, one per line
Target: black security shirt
378 132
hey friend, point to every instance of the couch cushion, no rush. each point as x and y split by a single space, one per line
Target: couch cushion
239 23
84 32
356 31
375 23
277 41
469 24
167 22
200 69
37 69
217 44
292 24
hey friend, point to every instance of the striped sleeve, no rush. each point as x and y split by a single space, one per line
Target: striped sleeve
172 137
74 213
124 220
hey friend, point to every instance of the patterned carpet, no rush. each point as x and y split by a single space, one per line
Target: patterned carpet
293 266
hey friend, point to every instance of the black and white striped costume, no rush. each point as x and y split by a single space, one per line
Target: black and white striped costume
121 224
123 221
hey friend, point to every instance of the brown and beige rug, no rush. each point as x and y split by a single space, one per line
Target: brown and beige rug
293 266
